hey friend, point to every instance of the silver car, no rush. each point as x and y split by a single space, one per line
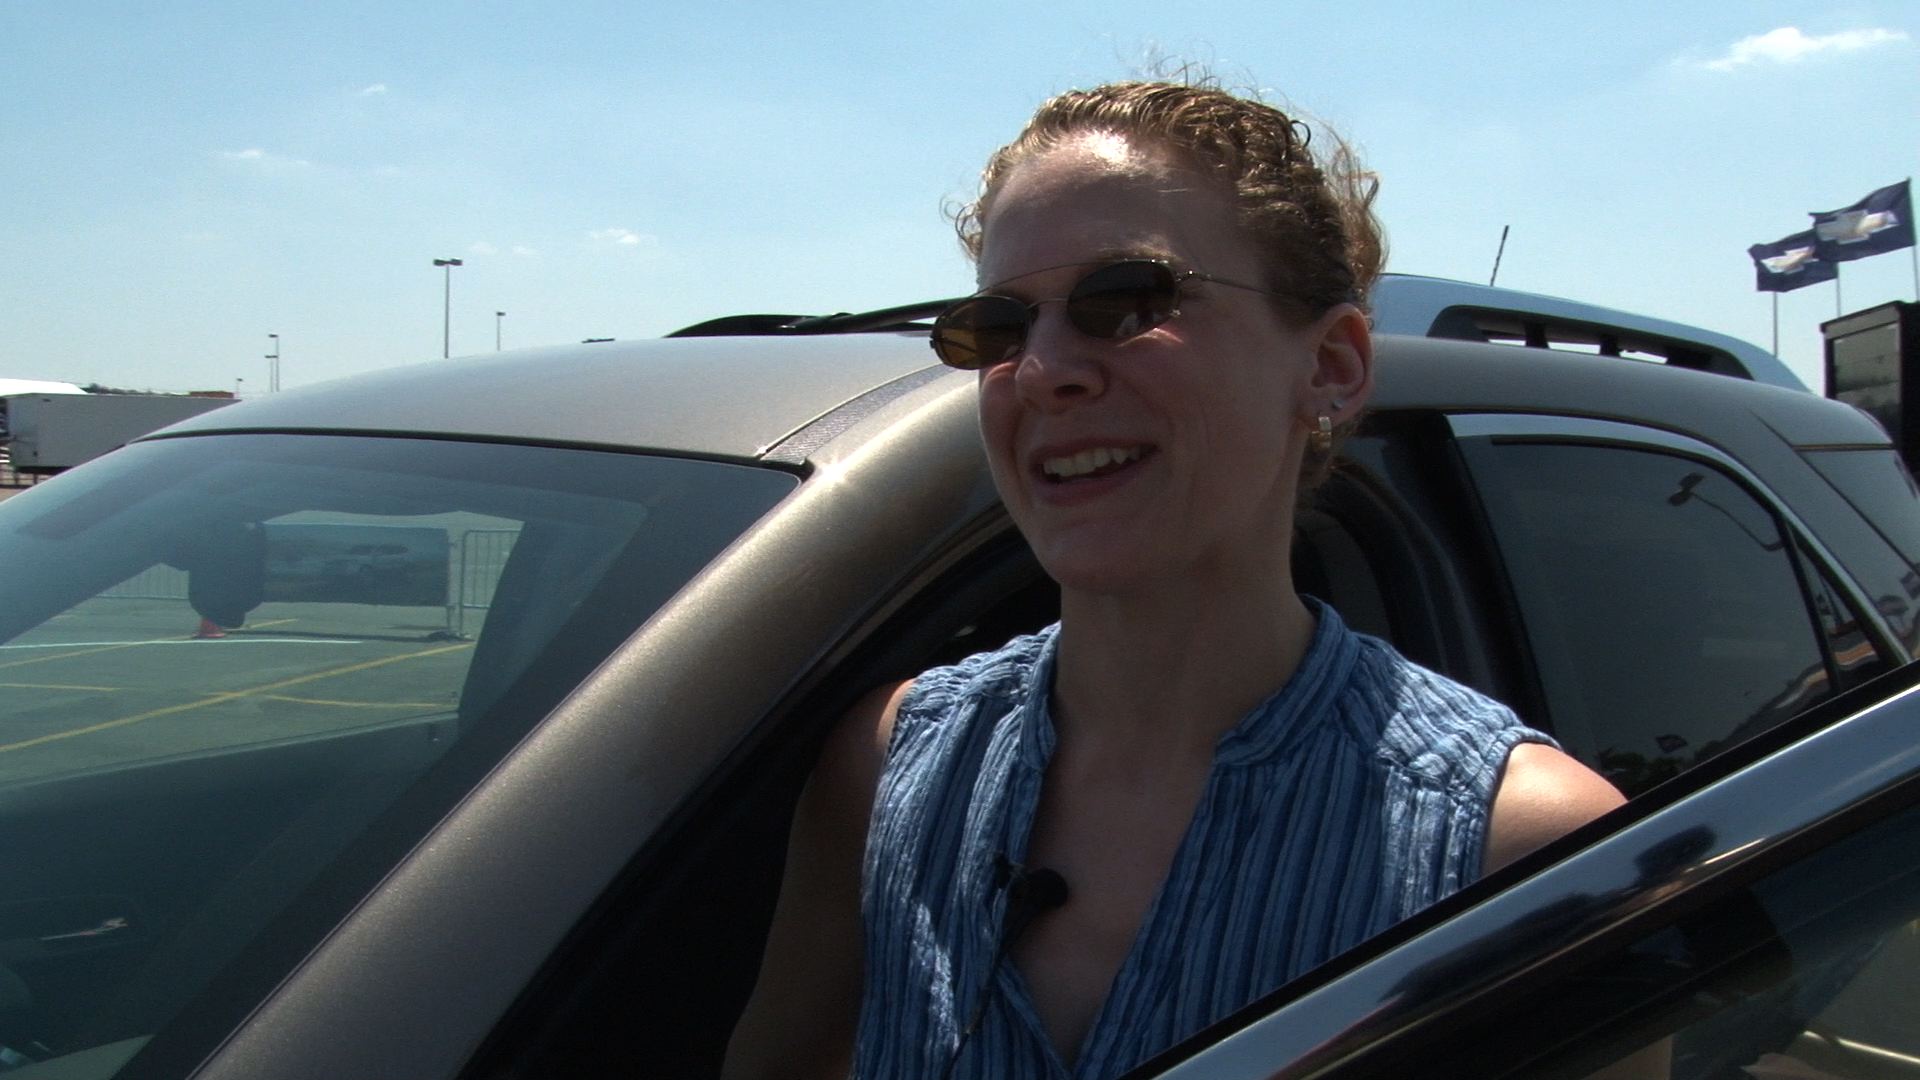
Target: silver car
446 721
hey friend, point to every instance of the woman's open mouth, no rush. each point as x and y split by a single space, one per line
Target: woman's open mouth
1091 463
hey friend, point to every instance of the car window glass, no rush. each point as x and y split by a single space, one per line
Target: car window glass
223 659
1662 608
1855 660
1810 974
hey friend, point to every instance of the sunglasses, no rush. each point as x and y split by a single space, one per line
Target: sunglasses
1113 302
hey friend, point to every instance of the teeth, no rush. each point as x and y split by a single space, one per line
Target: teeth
1086 461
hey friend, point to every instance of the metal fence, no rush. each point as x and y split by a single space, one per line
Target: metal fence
474 575
483 555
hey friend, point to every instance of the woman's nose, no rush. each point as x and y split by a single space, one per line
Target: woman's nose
1059 365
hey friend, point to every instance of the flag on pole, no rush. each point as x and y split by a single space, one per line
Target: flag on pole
1881 222
1790 263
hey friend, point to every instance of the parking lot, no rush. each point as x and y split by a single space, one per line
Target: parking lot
119 680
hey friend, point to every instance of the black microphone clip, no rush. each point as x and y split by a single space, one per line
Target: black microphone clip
1030 894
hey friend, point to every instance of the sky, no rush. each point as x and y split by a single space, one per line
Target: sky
184 179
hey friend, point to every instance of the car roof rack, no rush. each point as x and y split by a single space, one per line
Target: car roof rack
905 317
1405 304
1460 310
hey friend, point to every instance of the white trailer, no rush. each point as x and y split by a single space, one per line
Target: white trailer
46 433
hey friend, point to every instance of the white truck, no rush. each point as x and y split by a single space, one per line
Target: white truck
45 433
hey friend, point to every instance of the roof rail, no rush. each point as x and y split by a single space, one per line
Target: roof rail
1403 304
1441 308
894 319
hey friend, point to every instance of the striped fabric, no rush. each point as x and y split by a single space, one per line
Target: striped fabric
1353 797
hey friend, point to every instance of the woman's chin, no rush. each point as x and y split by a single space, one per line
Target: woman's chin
1102 570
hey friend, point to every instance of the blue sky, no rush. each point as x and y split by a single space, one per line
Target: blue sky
185 178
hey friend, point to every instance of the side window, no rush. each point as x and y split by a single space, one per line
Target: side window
1663 605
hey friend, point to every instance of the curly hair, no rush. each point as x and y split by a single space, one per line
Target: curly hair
1309 214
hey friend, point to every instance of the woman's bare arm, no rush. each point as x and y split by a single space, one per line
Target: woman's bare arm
800 1020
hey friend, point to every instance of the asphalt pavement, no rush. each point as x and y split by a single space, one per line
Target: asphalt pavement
119 680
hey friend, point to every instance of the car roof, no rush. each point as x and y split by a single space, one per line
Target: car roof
722 397
740 397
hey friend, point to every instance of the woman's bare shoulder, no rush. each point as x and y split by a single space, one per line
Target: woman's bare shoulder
856 748
1543 794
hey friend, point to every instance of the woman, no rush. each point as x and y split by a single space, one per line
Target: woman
1223 785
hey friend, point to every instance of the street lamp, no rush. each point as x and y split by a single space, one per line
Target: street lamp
497 316
273 369
236 388
446 314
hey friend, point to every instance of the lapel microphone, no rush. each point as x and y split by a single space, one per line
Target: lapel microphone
1031 893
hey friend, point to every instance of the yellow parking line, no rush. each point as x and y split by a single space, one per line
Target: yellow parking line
231 695
354 704
249 626
58 686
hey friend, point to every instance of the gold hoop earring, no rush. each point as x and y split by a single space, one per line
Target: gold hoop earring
1321 438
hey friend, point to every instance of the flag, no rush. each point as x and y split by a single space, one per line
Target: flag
1790 263
1881 222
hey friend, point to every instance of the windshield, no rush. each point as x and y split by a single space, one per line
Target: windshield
241 674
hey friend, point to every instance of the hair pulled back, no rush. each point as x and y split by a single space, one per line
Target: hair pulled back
1310 216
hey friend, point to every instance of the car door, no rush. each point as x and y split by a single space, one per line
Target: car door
1764 923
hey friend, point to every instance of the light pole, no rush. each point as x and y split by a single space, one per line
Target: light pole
236 388
446 313
273 369
497 316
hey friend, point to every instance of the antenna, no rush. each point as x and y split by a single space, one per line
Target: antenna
1495 276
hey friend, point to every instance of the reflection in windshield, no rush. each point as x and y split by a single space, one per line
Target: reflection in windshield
224 660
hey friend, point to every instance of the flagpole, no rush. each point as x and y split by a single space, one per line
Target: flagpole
1836 290
1776 326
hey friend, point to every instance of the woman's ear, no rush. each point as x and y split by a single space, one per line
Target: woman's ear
1343 363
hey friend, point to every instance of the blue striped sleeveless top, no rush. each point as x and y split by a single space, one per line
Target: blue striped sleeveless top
1354 796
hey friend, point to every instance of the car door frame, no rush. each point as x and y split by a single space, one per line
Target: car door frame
1639 868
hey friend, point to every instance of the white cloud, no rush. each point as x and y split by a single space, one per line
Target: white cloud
622 237
376 88
1788 45
261 159
483 247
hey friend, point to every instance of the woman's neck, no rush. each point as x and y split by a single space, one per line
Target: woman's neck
1169 671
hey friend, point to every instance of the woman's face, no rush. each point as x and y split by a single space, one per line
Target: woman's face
1167 459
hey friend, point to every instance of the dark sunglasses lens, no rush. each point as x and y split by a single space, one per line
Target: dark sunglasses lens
1124 299
980 331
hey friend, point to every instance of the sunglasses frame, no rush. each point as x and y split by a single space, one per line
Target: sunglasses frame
1177 280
